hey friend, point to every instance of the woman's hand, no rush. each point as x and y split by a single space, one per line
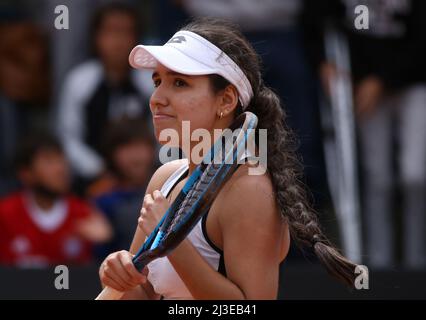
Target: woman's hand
118 272
153 209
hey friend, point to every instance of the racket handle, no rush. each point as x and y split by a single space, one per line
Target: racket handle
109 293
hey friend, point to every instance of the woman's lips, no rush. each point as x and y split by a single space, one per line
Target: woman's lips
161 116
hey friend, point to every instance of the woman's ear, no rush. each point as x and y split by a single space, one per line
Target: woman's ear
228 100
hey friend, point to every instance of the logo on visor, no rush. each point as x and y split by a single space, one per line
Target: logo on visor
177 39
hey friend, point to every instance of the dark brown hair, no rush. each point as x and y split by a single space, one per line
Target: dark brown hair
283 165
32 144
110 9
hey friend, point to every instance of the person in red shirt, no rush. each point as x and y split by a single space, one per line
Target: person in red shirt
43 224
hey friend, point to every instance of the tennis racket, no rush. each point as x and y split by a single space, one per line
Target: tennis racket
196 196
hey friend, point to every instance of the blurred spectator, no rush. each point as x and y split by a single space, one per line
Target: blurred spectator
24 67
130 154
68 47
24 87
43 224
102 90
389 74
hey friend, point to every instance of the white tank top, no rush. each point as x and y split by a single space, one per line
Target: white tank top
163 277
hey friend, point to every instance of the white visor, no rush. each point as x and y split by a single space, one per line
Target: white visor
190 54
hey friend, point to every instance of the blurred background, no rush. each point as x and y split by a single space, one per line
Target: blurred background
77 147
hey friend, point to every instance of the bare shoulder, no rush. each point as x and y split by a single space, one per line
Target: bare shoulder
245 193
248 210
163 173
242 183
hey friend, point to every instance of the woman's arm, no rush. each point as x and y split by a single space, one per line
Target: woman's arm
251 236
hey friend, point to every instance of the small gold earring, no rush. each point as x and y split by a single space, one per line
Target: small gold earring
221 115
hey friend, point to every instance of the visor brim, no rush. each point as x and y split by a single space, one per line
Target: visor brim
147 57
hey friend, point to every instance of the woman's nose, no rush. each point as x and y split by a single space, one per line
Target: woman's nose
158 99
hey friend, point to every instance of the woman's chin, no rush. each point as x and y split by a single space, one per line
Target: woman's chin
166 131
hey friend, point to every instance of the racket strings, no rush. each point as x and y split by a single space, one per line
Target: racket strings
183 212
194 194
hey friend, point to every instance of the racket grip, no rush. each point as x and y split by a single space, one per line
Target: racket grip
109 293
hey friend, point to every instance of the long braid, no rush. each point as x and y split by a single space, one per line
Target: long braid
291 197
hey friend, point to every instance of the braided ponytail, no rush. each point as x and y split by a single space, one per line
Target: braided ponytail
286 173
283 166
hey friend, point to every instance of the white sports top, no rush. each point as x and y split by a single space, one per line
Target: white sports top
162 275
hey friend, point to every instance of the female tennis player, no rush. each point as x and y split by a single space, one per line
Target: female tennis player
208 73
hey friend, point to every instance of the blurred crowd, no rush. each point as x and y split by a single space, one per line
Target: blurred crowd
76 142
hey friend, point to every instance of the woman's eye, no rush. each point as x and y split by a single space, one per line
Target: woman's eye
180 83
156 83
